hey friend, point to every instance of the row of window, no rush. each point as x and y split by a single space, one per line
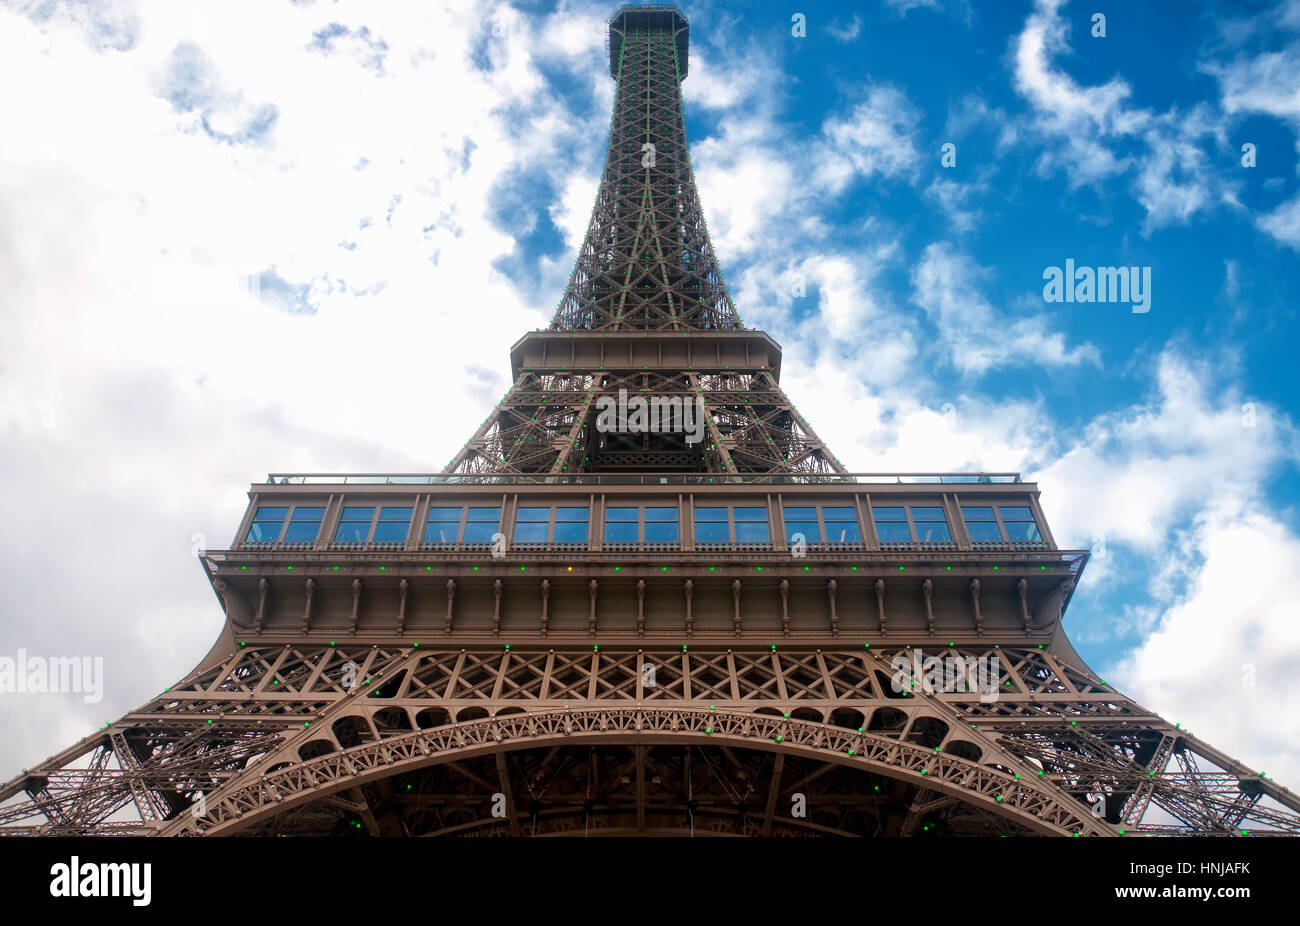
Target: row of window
560 524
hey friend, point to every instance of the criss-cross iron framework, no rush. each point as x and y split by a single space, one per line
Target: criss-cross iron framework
646 312
792 650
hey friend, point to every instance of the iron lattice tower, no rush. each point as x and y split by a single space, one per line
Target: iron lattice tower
577 630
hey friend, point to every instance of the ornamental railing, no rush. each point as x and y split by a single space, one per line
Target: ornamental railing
638 478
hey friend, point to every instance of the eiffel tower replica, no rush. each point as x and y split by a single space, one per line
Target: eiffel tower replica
644 598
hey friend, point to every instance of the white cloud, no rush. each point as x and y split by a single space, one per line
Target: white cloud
138 397
846 32
877 137
1222 660
1087 128
977 336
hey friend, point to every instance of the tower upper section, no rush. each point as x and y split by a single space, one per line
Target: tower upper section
636 19
647 262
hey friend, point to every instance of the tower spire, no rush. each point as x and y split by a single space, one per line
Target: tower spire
646 319
647 261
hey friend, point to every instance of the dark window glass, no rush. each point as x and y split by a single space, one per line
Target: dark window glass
441 531
931 525
266 525
661 514
800 514
354 525
980 524
661 531
479 531
620 514
891 525
304 526
752 532
394 524
843 532
530 532
841 525
571 531
933 532
571 525
983 530
620 532
443 525
811 531
712 532
481 524
751 514
533 514
710 514
893 532
1020 524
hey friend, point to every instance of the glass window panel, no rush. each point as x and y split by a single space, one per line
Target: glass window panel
391 531
661 514
839 514
751 514
1022 530
271 514
710 514
620 514
811 532
800 514
933 532
486 514
395 514
893 532
752 532
620 532
530 532
661 532
533 514
301 531
983 530
449 514
889 514
308 514
977 514
264 532
1015 514
479 531
572 514
712 532
352 532
843 532
570 531
927 514
442 532
358 514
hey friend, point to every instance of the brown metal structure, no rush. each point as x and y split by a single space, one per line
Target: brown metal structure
590 625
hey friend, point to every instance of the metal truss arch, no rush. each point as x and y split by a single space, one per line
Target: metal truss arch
257 796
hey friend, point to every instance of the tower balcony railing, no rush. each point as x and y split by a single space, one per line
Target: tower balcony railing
658 550
395 546
636 478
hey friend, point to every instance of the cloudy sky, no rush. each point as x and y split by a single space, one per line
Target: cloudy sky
409 183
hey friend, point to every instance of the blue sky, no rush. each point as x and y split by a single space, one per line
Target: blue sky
410 183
